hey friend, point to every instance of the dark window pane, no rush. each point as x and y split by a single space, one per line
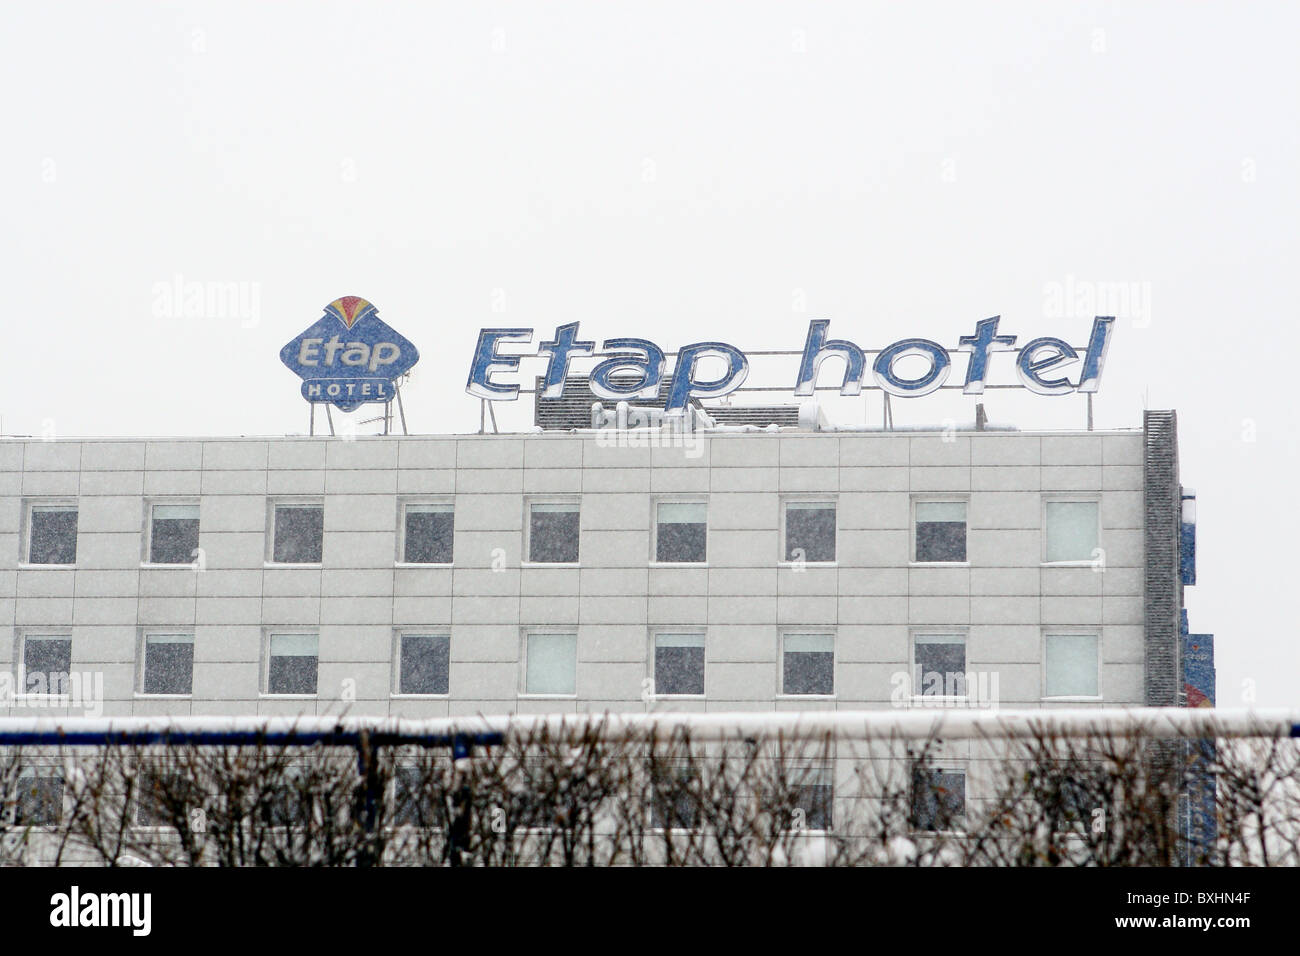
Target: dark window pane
286 803
672 806
809 672
815 801
541 800
40 802
810 531
940 669
429 536
680 541
173 540
1075 799
938 799
46 664
168 667
553 536
53 536
413 803
298 532
159 799
292 675
941 541
425 662
679 670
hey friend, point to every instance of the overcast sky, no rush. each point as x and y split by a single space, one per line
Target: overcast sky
676 172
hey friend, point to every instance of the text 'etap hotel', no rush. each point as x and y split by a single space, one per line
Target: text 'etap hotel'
643 545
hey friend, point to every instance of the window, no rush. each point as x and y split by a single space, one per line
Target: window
809 531
1067 794
168 664
289 801
47 662
427 533
173 533
938 799
681 531
291 668
552 663
941 531
162 797
1071 530
679 664
813 797
52 534
424 663
537 803
553 533
808 664
39 801
296 533
1070 666
413 797
940 665
673 805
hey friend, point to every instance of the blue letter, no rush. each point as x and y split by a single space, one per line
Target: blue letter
486 361
651 368
1031 370
817 348
684 386
1095 361
940 365
986 334
558 353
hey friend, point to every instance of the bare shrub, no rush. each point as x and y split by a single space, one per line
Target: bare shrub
560 795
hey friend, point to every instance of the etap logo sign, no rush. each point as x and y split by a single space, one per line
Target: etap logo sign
1039 364
350 356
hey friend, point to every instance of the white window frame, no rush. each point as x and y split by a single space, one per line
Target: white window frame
963 498
286 631
149 505
403 503
833 501
142 657
530 500
684 631
20 664
524 633
395 690
1081 498
29 504
655 502
1070 632
291 501
942 631
782 634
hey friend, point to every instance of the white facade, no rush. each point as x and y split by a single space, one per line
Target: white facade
1002 606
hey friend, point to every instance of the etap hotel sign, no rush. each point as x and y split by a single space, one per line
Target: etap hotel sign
1043 365
349 357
